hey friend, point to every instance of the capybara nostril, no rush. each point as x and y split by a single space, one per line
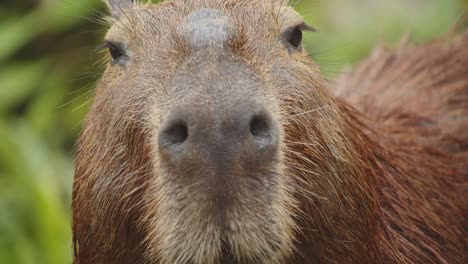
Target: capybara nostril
260 126
239 131
175 134
263 131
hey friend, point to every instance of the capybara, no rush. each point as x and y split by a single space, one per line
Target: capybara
214 139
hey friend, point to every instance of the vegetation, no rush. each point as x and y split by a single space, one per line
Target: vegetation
47 70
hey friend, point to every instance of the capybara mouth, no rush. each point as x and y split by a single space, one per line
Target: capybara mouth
198 223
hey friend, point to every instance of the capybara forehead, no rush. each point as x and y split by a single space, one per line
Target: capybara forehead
261 20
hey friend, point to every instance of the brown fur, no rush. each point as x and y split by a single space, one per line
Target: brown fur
372 171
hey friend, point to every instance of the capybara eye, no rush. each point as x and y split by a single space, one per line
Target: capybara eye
294 34
295 38
117 53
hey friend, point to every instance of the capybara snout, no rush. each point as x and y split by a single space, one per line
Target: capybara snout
220 143
223 125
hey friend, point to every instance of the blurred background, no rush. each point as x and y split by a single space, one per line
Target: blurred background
48 68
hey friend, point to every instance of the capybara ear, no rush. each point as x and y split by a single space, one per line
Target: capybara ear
117 7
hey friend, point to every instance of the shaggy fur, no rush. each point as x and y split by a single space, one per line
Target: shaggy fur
371 169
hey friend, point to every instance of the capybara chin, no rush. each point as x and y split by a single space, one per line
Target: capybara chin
213 139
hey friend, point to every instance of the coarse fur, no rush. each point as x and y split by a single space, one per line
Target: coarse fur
371 169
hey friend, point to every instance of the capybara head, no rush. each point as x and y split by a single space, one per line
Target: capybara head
210 137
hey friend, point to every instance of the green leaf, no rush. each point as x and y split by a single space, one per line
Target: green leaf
16 32
19 80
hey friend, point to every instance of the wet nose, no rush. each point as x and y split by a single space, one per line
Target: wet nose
240 132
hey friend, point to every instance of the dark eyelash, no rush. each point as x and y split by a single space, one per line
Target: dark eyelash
106 44
305 27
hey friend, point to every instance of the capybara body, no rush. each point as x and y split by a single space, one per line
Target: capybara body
214 139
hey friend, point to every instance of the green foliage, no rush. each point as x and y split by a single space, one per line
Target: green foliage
347 30
47 70
39 58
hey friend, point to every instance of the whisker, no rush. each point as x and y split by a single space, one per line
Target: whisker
75 99
82 105
309 112
301 143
